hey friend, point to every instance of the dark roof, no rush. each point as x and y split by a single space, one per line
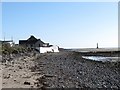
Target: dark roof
22 41
31 40
41 41
5 41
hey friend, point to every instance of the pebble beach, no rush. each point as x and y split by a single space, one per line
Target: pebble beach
64 69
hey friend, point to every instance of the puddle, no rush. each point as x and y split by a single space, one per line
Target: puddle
101 58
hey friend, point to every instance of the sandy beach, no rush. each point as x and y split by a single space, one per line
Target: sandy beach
66 69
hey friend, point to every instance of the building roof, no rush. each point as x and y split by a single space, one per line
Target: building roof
6 41
22 41
31 40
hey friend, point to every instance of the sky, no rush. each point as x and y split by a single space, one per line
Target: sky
66 24
118 24
60 0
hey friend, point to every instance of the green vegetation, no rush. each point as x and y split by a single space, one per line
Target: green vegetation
7 49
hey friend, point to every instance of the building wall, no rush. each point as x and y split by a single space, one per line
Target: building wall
38 44
48 49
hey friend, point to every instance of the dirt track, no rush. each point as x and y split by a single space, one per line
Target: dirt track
16 73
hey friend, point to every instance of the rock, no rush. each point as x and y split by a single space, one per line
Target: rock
26 83
45 84
48 75
7 76
19 67
15 80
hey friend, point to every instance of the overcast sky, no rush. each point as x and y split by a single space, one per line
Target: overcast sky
69 25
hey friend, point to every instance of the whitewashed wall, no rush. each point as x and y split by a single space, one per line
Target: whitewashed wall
48 49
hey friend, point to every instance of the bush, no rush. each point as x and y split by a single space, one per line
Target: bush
15 51
4 52
7 49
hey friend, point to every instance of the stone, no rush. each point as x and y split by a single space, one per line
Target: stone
26 83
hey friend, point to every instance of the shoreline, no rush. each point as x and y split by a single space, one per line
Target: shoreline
94 49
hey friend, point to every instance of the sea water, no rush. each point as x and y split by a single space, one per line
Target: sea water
101 58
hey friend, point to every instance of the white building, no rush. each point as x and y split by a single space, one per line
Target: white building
53 48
